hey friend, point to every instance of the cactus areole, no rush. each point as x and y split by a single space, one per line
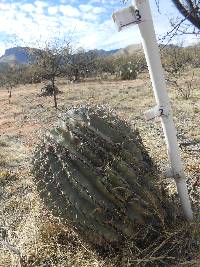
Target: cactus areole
94 173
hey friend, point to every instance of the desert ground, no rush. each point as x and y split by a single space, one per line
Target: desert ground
29 229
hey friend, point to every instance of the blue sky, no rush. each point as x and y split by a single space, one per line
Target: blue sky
89 22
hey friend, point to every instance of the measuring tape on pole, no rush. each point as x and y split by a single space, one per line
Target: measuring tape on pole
140 14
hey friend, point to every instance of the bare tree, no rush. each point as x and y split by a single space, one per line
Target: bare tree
177 63
188 23
82 64
190 9
51 60
9 78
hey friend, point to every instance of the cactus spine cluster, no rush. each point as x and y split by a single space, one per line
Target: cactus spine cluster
94 173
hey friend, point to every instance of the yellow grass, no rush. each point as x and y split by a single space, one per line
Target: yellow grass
42 240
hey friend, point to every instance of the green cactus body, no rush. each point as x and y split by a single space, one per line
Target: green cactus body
94 173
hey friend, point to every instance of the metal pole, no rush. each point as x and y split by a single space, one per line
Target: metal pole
152 55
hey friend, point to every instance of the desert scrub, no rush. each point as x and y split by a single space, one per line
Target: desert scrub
7 176
94 173
3 143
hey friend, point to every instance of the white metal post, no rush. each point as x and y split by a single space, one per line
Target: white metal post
145 23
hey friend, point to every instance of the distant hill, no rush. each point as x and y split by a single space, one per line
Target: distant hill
21 55
16 55
129 50
102 52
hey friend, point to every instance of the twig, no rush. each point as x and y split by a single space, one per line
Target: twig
11 248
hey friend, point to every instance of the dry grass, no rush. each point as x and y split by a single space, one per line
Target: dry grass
27 226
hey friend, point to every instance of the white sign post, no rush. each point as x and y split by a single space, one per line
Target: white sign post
140 13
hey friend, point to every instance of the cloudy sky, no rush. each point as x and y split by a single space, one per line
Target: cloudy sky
88 22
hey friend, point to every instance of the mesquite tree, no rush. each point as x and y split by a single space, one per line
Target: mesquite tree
190 9
52 59
9 77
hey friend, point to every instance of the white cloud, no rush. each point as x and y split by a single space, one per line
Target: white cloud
89 8
94 1
68 10
52 10
41 21
85 8
3 47
74 25
4 6
91 13
89 16
68 1
41 4
29 24
98 10
27 7
89 41
110 2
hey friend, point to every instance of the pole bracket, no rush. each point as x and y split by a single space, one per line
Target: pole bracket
156 112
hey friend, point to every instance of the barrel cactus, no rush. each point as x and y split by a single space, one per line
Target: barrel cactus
94 173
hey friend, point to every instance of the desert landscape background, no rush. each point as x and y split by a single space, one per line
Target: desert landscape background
34 236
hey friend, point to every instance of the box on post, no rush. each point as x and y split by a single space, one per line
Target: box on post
126 17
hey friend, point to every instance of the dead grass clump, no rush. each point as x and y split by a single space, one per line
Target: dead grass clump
6 177
3 143
175 242
177 245
3 162
57 245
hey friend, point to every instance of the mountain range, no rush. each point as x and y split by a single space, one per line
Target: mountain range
21 55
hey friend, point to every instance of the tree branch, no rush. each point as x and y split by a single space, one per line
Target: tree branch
191 14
